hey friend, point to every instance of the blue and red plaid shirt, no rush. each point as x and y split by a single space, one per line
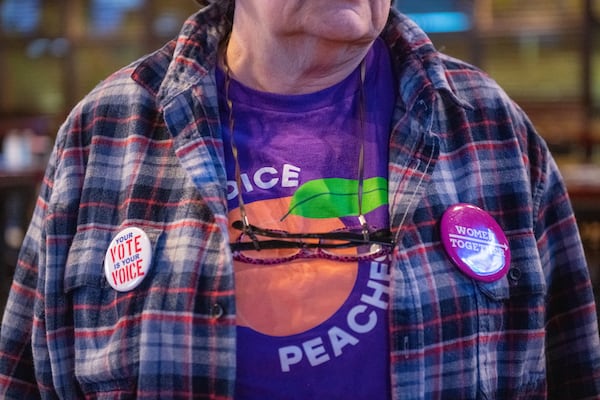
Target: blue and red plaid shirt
144 150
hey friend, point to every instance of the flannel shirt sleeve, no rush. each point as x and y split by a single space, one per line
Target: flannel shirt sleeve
24 312
572 340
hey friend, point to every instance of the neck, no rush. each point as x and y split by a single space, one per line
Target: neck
291 65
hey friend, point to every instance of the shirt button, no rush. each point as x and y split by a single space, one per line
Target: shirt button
216 311
422 105
514 274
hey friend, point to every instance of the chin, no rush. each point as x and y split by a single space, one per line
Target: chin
346 33
348 30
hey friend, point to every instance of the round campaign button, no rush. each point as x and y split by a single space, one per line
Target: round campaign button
475 242
128 259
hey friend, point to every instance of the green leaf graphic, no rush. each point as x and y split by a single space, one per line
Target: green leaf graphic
337 197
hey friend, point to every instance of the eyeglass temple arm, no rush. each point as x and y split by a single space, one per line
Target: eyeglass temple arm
234 150
361 154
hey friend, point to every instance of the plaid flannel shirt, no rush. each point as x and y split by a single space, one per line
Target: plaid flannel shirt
144 149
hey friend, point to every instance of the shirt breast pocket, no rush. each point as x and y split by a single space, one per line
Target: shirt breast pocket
106 321
512 323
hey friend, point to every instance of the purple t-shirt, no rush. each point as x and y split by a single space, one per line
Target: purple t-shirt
312 328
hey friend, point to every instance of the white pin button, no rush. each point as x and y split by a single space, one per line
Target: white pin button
128 259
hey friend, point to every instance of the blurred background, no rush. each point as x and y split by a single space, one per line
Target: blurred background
545 53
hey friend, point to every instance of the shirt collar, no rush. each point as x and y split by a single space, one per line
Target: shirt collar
183 62
417 62
186 60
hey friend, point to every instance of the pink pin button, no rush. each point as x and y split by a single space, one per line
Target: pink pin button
475 242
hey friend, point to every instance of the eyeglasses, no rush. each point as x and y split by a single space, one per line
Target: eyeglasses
257 245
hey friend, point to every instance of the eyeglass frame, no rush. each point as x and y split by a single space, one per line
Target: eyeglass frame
380 238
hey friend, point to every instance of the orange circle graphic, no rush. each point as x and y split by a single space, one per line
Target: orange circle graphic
291 298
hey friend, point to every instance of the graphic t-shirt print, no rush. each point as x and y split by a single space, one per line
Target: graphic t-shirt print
310 327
